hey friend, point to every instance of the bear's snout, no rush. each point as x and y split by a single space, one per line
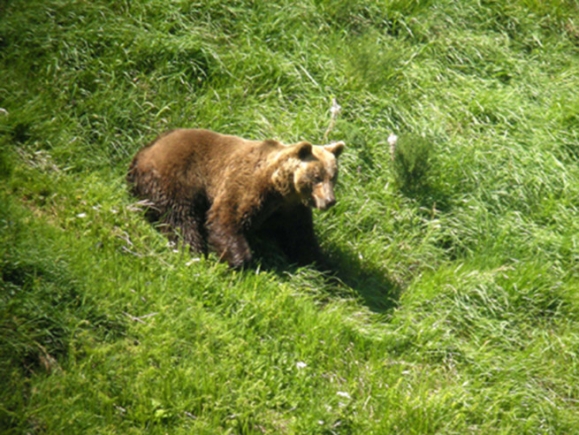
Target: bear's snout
323 195
326 203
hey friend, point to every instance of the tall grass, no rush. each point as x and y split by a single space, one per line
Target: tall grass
454 304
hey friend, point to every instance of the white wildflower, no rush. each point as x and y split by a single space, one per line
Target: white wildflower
301 365
334 112
392 139
335 109
81 215
193 260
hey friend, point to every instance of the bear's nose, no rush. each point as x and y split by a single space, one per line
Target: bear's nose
326 203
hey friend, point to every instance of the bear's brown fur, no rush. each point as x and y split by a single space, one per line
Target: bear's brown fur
217 189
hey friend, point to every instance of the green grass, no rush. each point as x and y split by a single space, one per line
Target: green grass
455 306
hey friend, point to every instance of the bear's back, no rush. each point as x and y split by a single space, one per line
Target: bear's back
172 152
199 158
201 147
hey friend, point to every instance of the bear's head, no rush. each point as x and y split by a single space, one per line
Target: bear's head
308 173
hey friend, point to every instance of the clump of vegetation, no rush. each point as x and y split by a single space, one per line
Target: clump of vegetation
412 158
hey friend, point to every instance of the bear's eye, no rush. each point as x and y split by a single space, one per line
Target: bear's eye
318 179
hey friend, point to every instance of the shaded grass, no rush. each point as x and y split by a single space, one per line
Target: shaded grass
453 305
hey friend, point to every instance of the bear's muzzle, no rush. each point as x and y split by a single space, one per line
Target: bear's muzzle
323 195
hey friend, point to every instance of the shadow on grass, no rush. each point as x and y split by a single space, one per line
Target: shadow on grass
344 275
372 284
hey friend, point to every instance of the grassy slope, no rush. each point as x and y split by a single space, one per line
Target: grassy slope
457 310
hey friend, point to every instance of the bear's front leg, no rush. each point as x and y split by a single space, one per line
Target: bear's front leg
227 240
297 238
232 248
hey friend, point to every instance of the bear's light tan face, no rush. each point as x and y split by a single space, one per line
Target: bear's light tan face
316 175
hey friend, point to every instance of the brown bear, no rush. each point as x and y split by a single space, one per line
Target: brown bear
217 190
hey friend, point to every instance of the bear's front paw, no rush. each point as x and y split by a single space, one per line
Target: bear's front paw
232 249
239 257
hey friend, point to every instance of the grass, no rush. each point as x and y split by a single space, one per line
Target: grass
454 308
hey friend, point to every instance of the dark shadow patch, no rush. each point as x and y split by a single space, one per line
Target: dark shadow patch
569 151
373 285
21 133
344 274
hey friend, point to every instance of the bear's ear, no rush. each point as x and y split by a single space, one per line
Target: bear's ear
335 148
303 150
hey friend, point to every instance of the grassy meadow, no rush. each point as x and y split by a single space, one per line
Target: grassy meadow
454 303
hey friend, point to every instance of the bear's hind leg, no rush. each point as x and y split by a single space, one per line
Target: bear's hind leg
188 226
